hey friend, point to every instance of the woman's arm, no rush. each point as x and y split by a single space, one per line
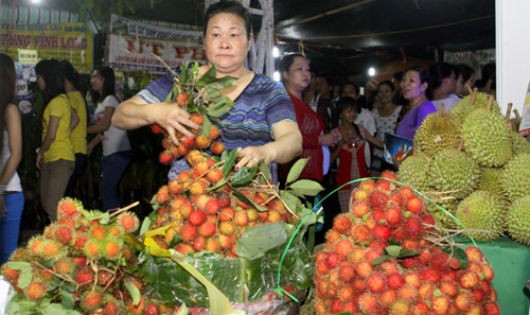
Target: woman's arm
14 131
105 124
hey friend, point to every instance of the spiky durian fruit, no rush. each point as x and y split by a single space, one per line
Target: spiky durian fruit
520 144
487 138
518 220
438 131
490 180
453 171
471 102
413 171
481 216
515 178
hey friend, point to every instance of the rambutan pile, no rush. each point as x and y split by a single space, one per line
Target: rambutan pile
81 262
205 212
379 258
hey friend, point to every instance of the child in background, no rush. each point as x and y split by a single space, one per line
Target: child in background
352 152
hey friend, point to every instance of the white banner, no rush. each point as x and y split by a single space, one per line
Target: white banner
134 45
138 53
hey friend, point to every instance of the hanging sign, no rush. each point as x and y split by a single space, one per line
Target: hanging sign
67 41
134 45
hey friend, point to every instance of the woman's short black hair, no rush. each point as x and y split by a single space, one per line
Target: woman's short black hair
50 70
70 74
233 7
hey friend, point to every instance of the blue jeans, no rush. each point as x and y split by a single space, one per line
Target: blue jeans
10 224
113 166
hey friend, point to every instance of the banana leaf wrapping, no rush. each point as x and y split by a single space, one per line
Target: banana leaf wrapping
241 280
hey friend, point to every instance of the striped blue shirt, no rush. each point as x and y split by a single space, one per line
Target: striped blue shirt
262 103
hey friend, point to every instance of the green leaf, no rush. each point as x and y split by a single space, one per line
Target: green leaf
381 259
247 201
222 83
264 169
26 272
219 184
57 309
103 217
257 240
393 250
133 291
206 125
220 107
208 77
213 93
398 252
306 187
67 299
230 160
296 170
291 200
244 176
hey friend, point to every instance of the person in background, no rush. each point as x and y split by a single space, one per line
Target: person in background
386 116
11 196
465 78
414 87
315 142
442 86
487 82
325 106
55 156
78 134
352 152
365 119
397 98
262 122
116 147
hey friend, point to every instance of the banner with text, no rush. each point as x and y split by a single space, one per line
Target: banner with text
139 53
134 45
31 42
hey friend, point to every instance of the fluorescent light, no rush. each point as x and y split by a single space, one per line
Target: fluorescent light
275 52
276 76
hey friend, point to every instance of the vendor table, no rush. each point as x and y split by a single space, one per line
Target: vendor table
511 262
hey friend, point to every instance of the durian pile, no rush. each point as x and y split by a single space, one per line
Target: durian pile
473 163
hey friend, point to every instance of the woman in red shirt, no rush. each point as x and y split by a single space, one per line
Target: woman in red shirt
296 77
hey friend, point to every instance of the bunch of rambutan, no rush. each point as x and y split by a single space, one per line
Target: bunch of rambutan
81 262
202 140
380 258
204 214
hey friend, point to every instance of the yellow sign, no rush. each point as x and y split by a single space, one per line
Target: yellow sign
28 56
69 41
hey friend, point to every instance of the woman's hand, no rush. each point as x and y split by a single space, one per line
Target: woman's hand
174 120
251 156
